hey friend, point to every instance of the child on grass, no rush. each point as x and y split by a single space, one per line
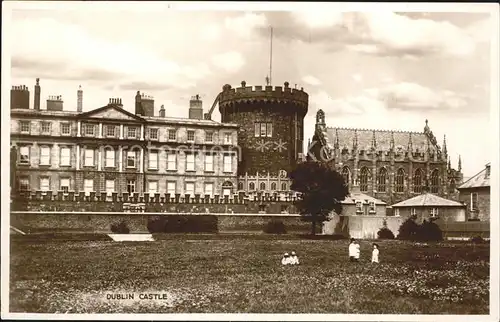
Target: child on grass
294 259
352 250
375 253
285 260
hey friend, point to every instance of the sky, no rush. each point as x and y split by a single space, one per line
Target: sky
376 70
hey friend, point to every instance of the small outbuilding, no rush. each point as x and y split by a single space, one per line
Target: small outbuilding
427 206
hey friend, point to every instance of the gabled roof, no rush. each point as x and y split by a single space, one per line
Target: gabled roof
480 180
111 111
358 196
427 200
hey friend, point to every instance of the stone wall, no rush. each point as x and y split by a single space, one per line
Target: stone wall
483 203
360 226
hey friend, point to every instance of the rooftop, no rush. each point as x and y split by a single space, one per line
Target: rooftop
358 196
480 180
427 200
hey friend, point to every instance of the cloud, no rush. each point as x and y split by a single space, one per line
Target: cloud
244 25
377 33
231 61
211 32
311 80
357 77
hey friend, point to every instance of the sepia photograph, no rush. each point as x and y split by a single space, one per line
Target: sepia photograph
176 159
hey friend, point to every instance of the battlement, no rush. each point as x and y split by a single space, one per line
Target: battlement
266 93
20 88
57 98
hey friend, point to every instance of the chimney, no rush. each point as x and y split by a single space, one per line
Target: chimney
19 97
36 104
195 108
55 103
116 102
162 111
138 104
148 105
79 101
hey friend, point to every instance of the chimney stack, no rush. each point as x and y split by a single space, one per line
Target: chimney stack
55 103
138 105
19 97
36 104
196 108
116 102
162 111
79 101
144 104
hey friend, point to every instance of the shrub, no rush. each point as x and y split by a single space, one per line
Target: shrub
385 233
477 240
275 227
120 228
429 231
408 230
183 224
325 237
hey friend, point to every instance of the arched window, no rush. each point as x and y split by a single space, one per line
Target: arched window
262 186
346 174
273 186
363 179
240 185
251 186
381 180
400 180
283 186
417 181
435 181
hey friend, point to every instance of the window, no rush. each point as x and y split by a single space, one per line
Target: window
110 158
24 184
363 180
263 129
64 185
251 186
131 159
25 126
153 160
153 134
262 208
65 129
46 127
44 184
228 163
284 187
171 187
346 175
435 181
172 135
89 157
400 180
65 156
189 188
381 180
473 201
131 132
413 212
273 186
172 161
24 155
228 138
190 162
44 155
130 186
372 207
190 135
434 212
110 187
209 136
396 212
209 162
284 209
89 129
240 185
209 189
417 181
359 206
262 186
88 186
110 130
153 187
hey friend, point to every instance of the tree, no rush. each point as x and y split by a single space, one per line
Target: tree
322 190
409 230
385 232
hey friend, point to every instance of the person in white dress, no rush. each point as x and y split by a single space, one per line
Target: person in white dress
286 259
357 251
294 259
352 250
375 253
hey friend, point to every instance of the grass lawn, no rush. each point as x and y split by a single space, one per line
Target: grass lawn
243 275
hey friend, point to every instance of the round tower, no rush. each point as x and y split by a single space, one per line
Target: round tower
271 121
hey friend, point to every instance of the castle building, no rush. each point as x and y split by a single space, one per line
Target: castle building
270 136
111 151
388 165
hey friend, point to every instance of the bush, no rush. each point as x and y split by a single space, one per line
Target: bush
477 240
325 237
429 231
385 233
120 228
183 224
408 230
275 227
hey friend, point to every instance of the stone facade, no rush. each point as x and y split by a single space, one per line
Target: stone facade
111 150
475 194
388 165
